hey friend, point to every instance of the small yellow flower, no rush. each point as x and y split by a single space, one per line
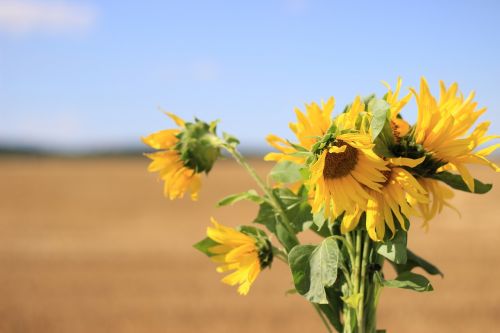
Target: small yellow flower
178 177
235 251
442 129
399 196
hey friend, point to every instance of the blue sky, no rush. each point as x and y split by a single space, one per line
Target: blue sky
92 74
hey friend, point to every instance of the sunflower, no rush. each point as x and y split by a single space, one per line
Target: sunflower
342 175
399 196
442 129
308 128
235 251
178 177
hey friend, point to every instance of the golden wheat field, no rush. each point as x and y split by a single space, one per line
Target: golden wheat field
91 245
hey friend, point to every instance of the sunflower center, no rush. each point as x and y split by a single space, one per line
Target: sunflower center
338 165
395 131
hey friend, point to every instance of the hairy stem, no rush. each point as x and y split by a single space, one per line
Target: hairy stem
269 193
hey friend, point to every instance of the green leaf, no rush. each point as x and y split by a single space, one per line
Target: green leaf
285 237
380 111
319 218
416 261
286 172
395 249
267 217
324 263
296 207
314 268
251 195
458 183
204 245
298 259
409 280
332 315
297 210
368 98
335 306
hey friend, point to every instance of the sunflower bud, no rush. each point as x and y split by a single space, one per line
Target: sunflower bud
183 154
199 146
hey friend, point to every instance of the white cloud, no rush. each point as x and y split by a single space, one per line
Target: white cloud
18 17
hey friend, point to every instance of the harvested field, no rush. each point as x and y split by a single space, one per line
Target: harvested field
91 245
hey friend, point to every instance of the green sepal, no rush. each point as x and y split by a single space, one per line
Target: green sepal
251 195
264 246
204 245
411 281
253 232
297 147
458 183
199 146
230 139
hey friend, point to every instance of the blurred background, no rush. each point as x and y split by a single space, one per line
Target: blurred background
87 241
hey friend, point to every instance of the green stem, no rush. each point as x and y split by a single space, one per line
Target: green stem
269 193
361 304
357 262
349 246
323 319
280 254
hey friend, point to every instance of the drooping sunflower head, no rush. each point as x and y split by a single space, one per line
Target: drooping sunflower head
183 154
444 126
438 197
397 201
244 252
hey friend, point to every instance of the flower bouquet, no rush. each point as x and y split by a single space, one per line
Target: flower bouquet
355 179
